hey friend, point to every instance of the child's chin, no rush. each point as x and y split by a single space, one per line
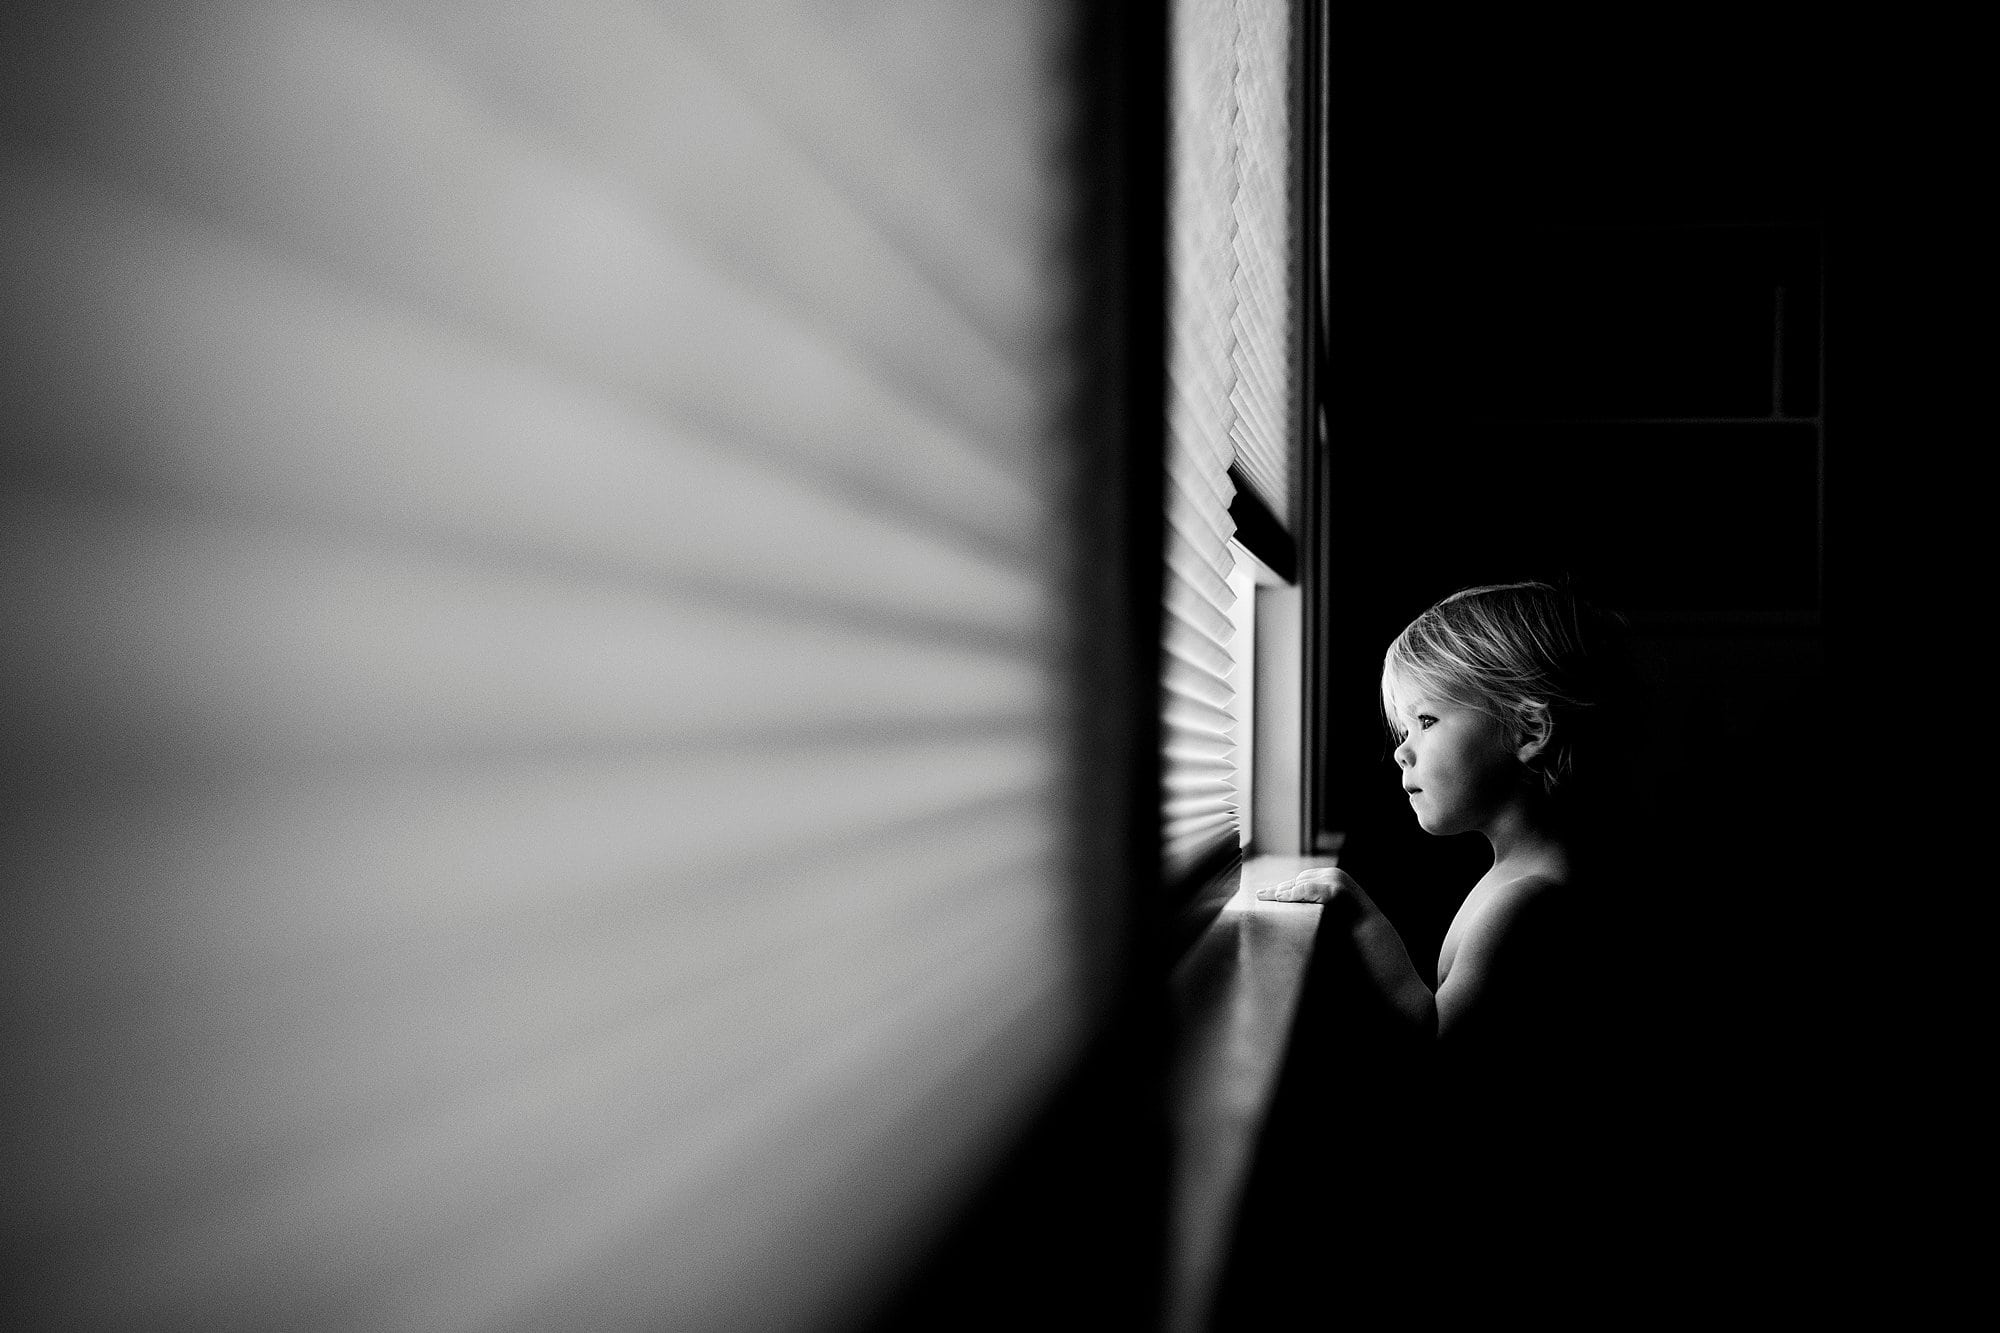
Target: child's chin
1435 828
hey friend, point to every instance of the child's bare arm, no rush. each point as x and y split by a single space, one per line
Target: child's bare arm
1382 952
1507 959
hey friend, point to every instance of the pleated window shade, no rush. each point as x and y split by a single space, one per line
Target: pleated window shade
1229 370
1264 346
535 562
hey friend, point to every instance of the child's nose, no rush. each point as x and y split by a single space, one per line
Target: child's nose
1406 755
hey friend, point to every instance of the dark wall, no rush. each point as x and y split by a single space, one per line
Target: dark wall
1578 331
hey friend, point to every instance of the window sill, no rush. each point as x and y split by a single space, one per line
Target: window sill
1236 992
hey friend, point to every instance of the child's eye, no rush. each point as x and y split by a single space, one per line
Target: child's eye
1426 721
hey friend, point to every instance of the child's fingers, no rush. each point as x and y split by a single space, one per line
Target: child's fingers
1300 883
1300 890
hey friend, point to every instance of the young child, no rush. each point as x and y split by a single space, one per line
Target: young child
1495 1169
1493 1146
1509 703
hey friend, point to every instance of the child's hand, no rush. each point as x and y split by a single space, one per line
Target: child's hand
1313 886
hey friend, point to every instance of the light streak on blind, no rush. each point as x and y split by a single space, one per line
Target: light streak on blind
534 550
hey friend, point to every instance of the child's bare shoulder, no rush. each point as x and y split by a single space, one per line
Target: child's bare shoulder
1501 911
1498 902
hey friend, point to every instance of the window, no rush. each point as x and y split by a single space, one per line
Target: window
1267 723
1234 460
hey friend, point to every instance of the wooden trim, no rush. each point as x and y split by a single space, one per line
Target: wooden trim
1235 994
1313 503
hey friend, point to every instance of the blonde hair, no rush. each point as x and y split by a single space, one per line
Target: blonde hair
1541 661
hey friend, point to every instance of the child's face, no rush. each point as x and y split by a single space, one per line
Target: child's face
1458 766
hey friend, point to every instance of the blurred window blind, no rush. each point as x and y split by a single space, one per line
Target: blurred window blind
1231 372
535 563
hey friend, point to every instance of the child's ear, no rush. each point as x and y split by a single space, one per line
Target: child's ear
1534 737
